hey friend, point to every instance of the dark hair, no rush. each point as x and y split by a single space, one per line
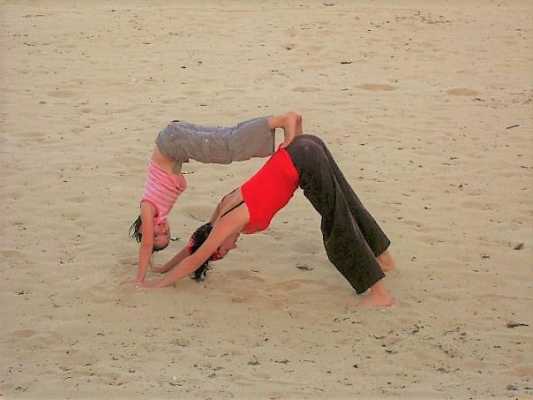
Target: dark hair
197 239
136 233
135 230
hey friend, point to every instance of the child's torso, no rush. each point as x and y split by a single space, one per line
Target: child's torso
171 166
162 189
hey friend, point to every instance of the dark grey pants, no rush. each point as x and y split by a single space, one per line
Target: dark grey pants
352 237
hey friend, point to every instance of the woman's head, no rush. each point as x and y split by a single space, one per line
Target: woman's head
199 236
161 233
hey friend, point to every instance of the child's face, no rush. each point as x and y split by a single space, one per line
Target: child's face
161 235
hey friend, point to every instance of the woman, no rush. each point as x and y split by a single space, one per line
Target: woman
353 240
178 143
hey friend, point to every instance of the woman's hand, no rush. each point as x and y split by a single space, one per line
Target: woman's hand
159 270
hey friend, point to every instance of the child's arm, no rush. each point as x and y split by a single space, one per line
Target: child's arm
182 254
147 241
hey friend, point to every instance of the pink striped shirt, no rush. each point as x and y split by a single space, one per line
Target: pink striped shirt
162 190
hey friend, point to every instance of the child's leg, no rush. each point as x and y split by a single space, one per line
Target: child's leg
344 241
181 141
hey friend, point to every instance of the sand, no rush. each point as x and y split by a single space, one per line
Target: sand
428 107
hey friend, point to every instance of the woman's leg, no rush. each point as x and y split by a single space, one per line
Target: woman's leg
345 243
374 235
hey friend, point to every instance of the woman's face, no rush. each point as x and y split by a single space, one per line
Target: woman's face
161 235
227 245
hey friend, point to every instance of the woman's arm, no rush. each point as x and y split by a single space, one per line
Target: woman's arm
226 226
185 252
147 241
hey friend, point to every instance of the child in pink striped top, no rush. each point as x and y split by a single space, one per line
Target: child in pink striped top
178 143
161 190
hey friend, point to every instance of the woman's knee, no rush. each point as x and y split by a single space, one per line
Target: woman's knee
317 140
310 141
307 147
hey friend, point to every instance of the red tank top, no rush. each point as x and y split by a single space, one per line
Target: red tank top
269 190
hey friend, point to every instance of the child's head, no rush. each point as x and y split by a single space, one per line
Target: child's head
161 233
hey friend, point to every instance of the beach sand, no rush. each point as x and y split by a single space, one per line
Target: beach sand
428 109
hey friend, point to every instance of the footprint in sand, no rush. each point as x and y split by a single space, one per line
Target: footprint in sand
170 101
10 253
199 213
24 333
71 215
129 261
77 199
306 89
478 205
446 296
431 240
244 295
39 137
30 134
38 340
16 195
243 275
129 161
61 94
523 372
462 92
376 87
296 284
307 247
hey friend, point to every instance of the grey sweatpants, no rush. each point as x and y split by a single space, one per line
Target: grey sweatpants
182 141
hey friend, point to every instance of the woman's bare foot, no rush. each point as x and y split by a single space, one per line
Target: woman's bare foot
378 296
386 262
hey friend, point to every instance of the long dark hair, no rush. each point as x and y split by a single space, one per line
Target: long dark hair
197 239
135 232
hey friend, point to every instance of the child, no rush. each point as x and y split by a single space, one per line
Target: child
177 144
353 240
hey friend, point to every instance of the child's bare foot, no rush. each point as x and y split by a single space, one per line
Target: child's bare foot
378 296
386 262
